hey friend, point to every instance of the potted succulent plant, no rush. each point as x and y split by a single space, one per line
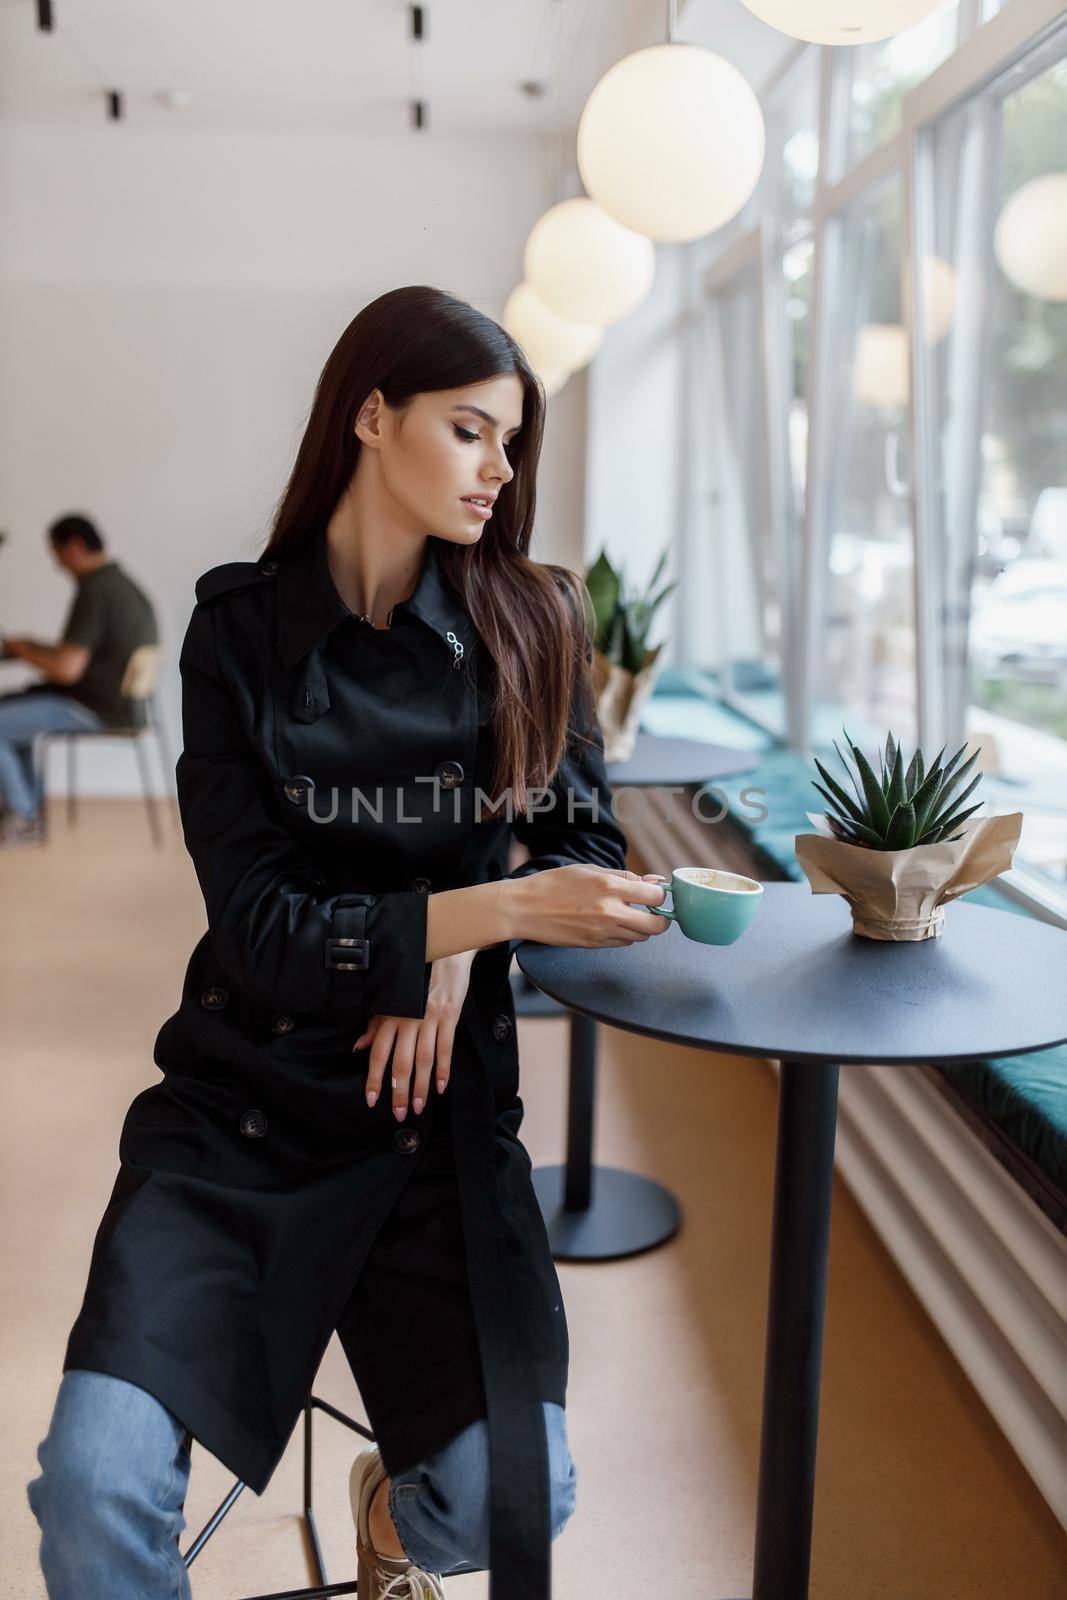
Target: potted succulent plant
624 667
903 842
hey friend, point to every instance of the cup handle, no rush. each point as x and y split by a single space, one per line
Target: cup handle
659 911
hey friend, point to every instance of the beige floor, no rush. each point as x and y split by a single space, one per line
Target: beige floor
919 1496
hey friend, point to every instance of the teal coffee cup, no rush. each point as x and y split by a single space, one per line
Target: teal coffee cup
711 906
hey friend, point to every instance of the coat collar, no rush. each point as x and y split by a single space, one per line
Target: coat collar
309 606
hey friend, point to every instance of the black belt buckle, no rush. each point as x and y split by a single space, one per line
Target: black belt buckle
360 947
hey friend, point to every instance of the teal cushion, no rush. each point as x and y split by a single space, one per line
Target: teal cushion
1024 1096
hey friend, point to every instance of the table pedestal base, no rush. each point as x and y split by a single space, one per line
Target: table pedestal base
597 1213
628 1214
800 1240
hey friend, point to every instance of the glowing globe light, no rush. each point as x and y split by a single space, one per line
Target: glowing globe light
880 372
586 266
549 341
842 21
939 294
671 142
1030 238
552 380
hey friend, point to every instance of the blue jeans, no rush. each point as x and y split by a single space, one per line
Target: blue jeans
115 1467
23 714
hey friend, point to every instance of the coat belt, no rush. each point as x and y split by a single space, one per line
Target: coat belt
519 1509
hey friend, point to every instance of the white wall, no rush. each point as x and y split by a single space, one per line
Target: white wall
167 300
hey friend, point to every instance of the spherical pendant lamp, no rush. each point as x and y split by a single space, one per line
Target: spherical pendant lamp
549 341
553 379
671 142
940 291
1030 238
586 266
842 21
880 370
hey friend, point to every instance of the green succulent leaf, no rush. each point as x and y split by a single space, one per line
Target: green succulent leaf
845 803
603 584
948 789
948 769
868 835
954 821
851 775
887 763
657 569
914 775
616 637
896 792
900 835
925 796
877 809
946 811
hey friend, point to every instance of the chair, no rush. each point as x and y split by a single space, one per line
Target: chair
323 1588
138 685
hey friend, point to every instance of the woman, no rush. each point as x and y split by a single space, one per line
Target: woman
370 712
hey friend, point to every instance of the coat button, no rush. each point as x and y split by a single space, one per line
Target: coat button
253 1124
421 884
280 1023
214 999
297 789
448 774
503 1028
270 568
406 1141
319 879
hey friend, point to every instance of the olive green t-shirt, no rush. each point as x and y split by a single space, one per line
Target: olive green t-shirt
110 616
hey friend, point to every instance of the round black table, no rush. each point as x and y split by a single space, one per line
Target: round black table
602 1213
801 987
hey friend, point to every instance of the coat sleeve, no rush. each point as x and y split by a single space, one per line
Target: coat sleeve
272 934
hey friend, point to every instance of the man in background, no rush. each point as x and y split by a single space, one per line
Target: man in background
108 619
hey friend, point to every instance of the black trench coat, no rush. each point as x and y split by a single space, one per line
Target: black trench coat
254 1178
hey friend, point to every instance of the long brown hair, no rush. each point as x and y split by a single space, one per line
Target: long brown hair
532 617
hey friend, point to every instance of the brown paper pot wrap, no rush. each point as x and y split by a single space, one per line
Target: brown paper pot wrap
900 894
620 696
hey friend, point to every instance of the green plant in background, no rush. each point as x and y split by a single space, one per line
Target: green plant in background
898 808
621 620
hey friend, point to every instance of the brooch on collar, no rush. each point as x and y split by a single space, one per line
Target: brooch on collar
457 649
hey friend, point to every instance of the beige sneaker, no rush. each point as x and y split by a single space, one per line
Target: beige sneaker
382 1577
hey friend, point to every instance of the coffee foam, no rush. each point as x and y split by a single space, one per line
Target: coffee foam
712 878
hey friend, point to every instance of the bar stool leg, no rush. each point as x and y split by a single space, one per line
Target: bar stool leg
146 788
167 765
72 781
800 1240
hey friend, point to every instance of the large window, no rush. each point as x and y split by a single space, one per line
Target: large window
995 368
758 300
748 579
889 488
865 667
880 75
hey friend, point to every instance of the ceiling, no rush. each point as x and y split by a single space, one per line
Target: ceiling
338 66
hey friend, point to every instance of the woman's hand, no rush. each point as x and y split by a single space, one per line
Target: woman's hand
419 1041
588 906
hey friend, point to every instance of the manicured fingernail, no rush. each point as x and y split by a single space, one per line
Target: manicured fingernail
400 1112
372 1095
418 1104
441 1085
